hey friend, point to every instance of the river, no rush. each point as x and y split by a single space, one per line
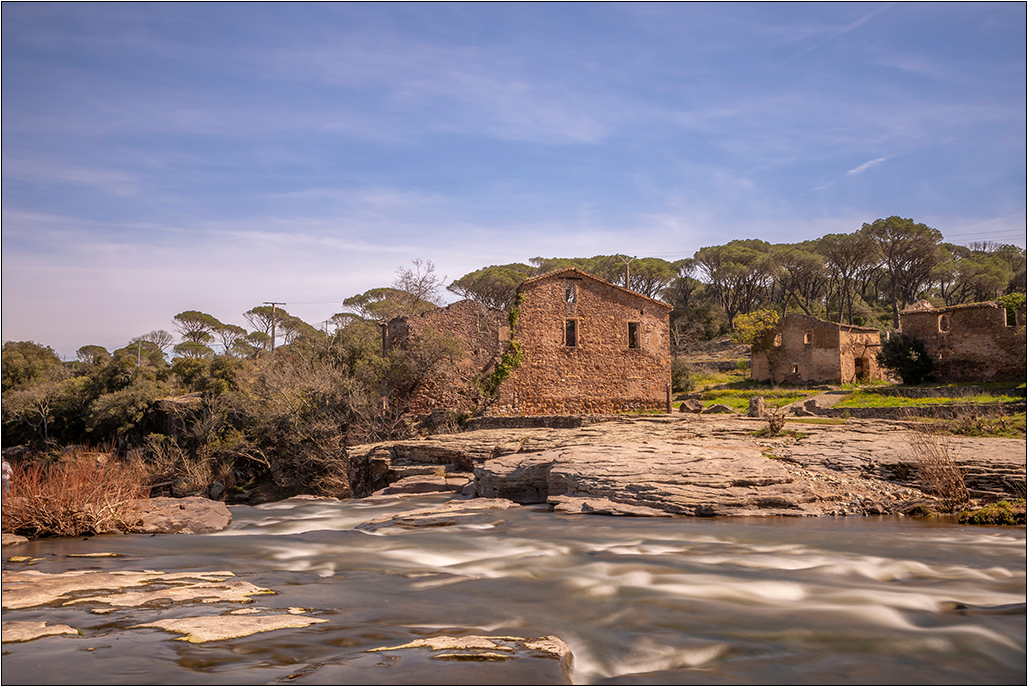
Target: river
853 600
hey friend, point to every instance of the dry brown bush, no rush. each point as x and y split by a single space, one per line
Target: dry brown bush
938 472
71 495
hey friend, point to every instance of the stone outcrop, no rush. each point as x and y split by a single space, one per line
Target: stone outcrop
852 461
469 512
191 515
703 478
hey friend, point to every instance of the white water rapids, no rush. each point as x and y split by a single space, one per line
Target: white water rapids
639 601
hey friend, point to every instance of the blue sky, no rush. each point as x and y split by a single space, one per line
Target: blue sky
168 157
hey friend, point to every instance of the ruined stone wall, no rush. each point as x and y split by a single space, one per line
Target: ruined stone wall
482 332
969 343
816 351
601 373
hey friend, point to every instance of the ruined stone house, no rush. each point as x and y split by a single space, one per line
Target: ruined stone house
587 346
968 343
809 350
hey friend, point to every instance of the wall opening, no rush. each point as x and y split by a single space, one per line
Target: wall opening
569 290
795 369
943 323
633 335
860 368
570 333
808 337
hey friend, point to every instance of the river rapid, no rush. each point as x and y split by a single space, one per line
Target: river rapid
853 600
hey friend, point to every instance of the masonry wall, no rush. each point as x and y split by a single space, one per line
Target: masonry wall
969 343
482 332
601 373
818 352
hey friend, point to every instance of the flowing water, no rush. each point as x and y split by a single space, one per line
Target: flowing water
639 601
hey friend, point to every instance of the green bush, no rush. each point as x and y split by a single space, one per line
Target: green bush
681 376
907 357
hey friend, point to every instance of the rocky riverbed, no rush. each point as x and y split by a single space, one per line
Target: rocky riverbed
688 465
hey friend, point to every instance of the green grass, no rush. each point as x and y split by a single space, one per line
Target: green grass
975 425
869 399
739 399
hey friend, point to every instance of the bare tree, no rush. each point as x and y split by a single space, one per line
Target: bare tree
158 337
420 287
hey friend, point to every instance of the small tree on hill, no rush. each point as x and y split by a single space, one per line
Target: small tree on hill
759 329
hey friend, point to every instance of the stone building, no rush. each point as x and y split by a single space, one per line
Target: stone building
968 343
588 346
809 350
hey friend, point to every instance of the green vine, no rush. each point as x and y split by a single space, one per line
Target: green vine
513 356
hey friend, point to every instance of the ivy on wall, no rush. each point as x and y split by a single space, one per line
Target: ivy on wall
513 356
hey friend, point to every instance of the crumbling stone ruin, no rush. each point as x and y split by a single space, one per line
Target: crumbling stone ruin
810 350
583 345
968 343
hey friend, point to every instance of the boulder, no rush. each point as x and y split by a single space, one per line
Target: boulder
190 515
691 405
13 539
460 511
717 408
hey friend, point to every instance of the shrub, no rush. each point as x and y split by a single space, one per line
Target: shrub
681 376
938 472
73 495
907 357
999 513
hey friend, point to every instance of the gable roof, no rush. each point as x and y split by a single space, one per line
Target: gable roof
580 274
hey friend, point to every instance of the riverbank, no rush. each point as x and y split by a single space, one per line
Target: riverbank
689 465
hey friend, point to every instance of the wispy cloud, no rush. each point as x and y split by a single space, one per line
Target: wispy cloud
860 169
841 31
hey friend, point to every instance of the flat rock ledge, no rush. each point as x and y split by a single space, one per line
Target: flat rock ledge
190 515
692 478
458 512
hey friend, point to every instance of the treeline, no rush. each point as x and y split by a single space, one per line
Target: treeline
862 278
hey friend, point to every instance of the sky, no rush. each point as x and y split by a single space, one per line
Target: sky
214 156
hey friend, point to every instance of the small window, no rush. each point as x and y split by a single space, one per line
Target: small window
570 333
569 290
808 337
943 323
778 340
633 335
795 369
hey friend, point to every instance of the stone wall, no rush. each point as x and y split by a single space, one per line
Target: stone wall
814 351
620 359
968 343
482 332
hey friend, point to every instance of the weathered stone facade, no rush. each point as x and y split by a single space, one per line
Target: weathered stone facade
968 343
816 351
588 347
482 333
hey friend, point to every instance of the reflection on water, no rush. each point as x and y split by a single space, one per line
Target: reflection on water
679 601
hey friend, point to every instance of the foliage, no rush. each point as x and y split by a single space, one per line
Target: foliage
758 329
907 356
999 513
71 496
26 363
93 355
513 356
196 326
494 286
681 375
1012 301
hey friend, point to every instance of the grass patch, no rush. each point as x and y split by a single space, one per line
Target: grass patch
871 398
739 398
999 513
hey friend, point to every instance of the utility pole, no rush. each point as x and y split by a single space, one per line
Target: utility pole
273 318
628 274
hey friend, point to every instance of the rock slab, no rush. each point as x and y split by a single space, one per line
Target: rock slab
190 515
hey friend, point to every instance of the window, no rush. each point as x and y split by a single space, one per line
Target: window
943 323
569 290
633 335
795 369
778 340
808 337
571 333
